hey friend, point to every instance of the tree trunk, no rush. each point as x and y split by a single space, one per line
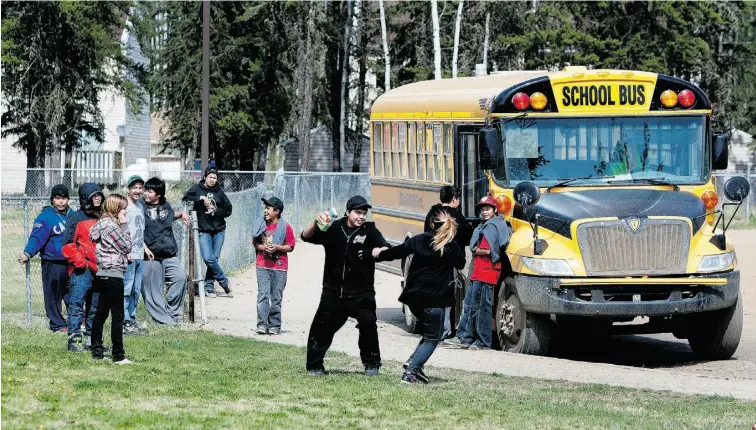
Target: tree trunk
485 44
362 41
344 83
304 122
386 58
436 40
456 38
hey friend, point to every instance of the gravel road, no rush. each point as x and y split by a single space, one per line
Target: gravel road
657 362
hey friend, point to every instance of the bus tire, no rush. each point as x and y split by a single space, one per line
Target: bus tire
413 325
717 334
519 331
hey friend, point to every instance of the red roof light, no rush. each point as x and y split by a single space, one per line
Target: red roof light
686 98
521 101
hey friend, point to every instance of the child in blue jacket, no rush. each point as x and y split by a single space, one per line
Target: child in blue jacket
47 239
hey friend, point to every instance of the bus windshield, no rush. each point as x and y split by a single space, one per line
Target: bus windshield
603 150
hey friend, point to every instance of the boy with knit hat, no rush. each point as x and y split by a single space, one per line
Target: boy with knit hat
212 207
47 239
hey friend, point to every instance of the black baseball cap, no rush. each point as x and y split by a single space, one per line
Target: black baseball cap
357 202
275 203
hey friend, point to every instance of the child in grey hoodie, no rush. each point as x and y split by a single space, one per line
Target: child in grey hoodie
112 249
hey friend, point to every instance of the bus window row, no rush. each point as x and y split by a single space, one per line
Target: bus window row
416 151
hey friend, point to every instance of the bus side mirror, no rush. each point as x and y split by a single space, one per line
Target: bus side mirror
719 151
488 148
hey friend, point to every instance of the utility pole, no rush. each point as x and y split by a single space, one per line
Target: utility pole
205 83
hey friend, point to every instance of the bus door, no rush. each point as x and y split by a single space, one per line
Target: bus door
473 184
470 179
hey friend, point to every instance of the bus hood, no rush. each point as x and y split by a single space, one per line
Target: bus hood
559 210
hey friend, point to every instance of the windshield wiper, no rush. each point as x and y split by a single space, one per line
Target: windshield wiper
566 181
655 181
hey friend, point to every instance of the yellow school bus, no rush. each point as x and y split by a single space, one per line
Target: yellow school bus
605 177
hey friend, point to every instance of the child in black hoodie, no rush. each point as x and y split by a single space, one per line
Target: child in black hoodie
212 207
429 288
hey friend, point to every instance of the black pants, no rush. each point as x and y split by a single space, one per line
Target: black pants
331 315
55 290
111 301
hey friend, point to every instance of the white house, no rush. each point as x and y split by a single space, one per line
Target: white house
127 138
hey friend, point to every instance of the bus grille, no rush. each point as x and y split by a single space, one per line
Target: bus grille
634 247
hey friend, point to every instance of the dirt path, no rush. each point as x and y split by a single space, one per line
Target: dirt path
649 362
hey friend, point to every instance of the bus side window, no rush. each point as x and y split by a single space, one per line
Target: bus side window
420 151
411 151
377 154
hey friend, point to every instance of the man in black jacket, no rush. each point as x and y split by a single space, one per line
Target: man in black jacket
212 207
450 196
162 264
348 284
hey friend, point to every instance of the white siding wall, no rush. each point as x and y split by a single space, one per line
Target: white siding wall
137 144
12 167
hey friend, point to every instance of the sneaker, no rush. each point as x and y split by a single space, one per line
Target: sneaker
317 372
75 344
63 330
455 343
261 330
371 371
211 295
410 378
228 291
477 347
130 329
419 373
122 362
274 330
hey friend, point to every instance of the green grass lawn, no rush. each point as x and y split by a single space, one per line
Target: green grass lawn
185 379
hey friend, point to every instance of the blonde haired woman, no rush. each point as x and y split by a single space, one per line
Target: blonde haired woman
429 287
112 249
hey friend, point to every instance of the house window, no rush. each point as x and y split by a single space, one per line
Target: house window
377 153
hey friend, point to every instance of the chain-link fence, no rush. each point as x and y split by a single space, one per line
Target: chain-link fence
304 194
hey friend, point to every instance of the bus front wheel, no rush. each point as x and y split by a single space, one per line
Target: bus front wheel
519 331
717 334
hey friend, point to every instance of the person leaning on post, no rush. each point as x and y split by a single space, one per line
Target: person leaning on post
47 239
212 207
348 284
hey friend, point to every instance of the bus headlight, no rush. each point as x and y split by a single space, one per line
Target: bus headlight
548 266
716 263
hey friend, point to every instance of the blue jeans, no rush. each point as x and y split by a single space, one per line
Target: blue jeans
211 245
433 327
132 288
475 323
82 302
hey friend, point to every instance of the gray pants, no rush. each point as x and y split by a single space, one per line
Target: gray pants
165 305
270 287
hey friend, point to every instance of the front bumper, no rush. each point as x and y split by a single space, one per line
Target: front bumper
549 296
